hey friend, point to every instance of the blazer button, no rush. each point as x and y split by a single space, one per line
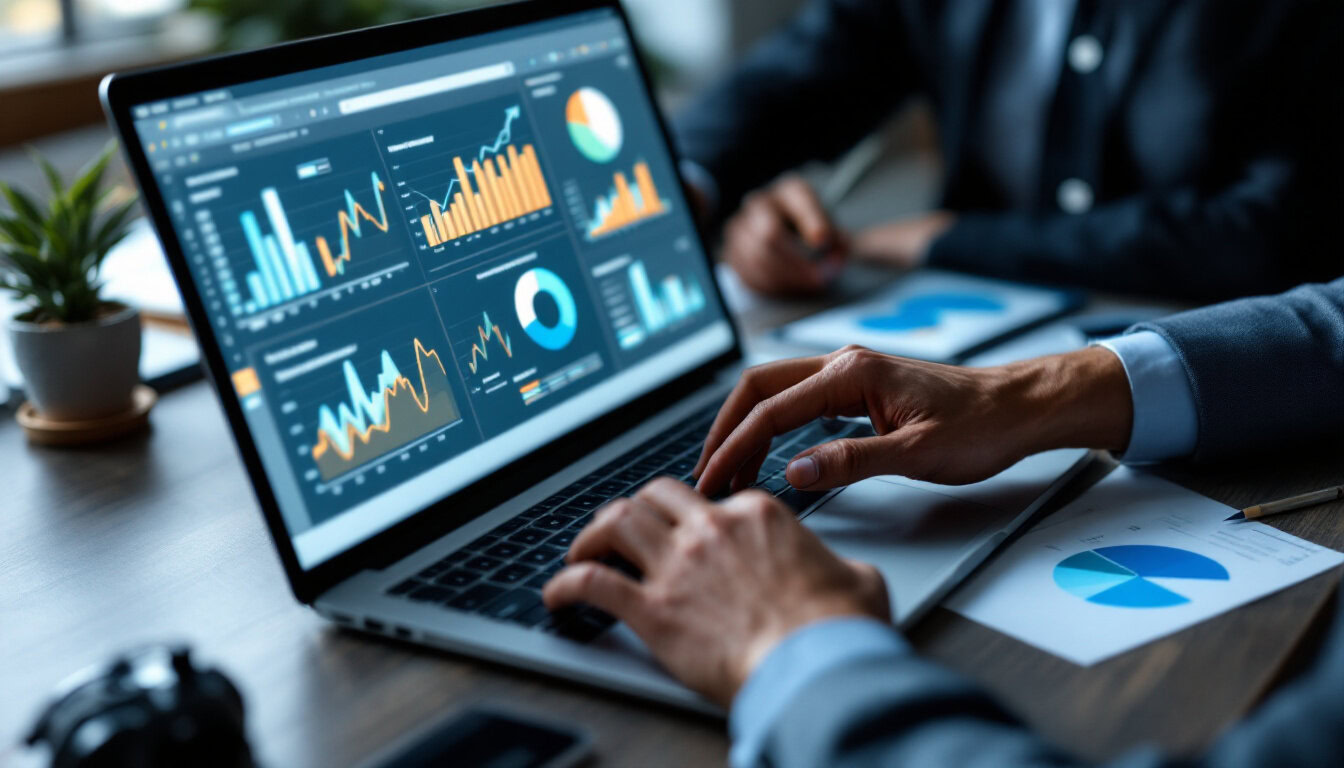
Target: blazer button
1085 54
1074 196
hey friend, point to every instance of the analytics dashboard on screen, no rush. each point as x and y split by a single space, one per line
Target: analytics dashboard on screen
411 261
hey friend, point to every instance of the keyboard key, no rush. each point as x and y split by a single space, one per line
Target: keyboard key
682 466
512 603
458 578
773 465
543 555
631 477
587 502
513 573
800 500
539 580
529 536
533 617
476 597
506 550
482 563
510 525
552 523
405 586
562 539
581 522
482 544
573 488
609 489
775 484
551 502
432 594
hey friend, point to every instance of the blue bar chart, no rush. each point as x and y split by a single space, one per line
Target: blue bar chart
284 267
638 306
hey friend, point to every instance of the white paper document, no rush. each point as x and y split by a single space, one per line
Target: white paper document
931 315
1133 559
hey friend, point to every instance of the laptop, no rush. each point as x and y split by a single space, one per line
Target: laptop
452 296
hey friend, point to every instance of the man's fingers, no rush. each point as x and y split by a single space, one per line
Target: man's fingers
800 204
755 385
671 498
598 585
766 243
847 461
811 398
628 527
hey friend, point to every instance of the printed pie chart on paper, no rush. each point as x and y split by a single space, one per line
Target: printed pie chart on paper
594 125
1135 575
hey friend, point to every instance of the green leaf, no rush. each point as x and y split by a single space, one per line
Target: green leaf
48 170
21 203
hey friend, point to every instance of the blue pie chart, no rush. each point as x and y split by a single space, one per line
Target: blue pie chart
1122 576
541 280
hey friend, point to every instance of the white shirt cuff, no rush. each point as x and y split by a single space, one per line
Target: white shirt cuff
1166 424
800 658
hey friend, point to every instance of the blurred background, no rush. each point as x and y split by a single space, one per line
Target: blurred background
54 52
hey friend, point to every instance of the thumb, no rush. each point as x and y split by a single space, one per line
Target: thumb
845 461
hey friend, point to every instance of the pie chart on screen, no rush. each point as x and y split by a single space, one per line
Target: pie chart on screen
594 125
1135 575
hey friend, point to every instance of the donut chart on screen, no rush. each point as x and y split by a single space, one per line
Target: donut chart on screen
594 125
542 280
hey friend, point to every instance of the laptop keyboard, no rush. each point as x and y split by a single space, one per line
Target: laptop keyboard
500 575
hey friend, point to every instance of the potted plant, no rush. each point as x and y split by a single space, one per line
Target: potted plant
79 354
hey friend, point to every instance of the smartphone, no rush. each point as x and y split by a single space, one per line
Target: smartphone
488 739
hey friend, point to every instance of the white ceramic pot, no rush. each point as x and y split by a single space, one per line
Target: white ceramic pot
79 371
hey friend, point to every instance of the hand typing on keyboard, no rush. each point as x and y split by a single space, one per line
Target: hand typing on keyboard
933 422
721 583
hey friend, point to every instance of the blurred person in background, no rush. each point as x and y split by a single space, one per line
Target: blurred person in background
1164 148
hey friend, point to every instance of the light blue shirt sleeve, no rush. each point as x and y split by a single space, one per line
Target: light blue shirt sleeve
1166 424
797 660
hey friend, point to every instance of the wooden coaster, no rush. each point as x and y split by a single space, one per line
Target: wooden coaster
44 431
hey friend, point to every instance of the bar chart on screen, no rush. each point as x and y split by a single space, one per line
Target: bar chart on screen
624 205
640 308
461 185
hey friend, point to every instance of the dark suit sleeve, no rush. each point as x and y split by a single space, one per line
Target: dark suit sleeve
1265 372
809 91
898 710
1182 243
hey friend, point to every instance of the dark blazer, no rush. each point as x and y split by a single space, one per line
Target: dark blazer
1210 135
902 710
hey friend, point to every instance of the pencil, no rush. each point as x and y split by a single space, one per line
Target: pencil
1290 503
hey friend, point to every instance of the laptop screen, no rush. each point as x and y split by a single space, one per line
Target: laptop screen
421 266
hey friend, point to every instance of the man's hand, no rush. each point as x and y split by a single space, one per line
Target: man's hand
940 423
723 583
768 241
905 243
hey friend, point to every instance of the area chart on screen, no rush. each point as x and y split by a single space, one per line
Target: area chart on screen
373 422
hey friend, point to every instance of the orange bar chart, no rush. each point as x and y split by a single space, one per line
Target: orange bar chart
507 186
621 209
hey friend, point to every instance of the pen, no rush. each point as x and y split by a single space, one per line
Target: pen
1290 503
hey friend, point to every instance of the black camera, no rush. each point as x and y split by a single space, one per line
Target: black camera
147 708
